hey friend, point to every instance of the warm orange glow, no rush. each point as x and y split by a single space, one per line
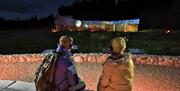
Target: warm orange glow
148 77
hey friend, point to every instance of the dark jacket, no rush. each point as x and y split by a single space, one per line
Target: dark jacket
65 74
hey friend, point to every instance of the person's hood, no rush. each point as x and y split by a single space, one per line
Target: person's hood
119 59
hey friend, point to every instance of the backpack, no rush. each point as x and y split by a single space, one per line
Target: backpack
45 73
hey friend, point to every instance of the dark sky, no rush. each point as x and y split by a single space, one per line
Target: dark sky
23 9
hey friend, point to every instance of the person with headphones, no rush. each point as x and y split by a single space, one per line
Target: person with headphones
65 76
118 69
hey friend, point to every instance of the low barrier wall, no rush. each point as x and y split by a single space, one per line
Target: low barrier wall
173 61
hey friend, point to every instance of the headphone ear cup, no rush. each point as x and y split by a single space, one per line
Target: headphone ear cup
111 48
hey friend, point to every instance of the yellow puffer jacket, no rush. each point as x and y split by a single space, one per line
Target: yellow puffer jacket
118 73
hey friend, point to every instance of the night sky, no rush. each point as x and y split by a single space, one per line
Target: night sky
24 9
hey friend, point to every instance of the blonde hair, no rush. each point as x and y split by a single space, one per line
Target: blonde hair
118 45
65 39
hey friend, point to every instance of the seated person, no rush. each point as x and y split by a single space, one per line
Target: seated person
65 76
118 70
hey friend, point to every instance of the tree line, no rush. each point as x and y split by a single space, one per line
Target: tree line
152 13
31 23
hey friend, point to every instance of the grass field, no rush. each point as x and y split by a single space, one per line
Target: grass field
38 40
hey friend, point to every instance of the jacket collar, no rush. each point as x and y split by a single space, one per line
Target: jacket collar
119 58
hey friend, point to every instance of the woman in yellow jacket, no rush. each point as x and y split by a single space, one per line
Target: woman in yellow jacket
118 70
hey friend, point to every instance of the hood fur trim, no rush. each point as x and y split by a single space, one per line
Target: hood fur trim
119 59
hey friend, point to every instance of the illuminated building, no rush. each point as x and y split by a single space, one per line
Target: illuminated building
67 23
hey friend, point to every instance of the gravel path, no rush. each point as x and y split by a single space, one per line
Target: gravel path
147 78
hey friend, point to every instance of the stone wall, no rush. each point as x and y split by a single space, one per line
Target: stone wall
173 61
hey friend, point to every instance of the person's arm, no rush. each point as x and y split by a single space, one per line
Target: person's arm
72 75
105 77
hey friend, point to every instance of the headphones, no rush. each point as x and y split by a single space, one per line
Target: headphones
111 49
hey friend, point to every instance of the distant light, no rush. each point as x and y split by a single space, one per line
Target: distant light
168 31
53 30
85 25
78 23
92 30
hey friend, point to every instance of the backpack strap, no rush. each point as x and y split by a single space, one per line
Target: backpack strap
61 82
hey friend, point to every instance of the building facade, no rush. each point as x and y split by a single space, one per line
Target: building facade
67 23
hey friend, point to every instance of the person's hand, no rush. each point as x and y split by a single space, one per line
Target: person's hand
72 89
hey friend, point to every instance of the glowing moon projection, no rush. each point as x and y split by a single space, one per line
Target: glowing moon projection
78 23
